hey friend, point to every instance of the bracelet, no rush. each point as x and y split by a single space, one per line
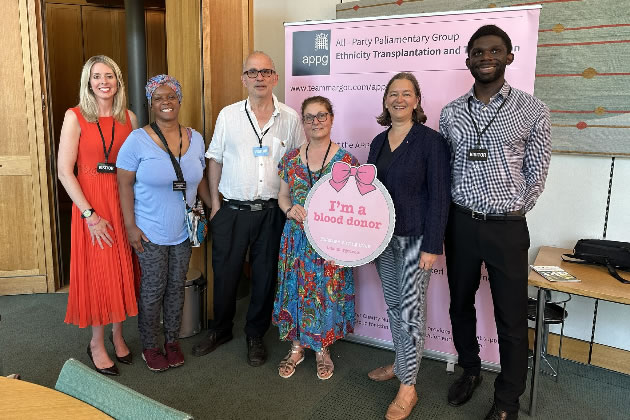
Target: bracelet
286 213
94 224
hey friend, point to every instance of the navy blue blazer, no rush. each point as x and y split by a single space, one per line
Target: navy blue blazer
418 179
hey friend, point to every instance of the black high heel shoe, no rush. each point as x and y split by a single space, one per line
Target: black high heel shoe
112 370
127 359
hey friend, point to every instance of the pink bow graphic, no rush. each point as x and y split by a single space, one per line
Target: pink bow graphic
363 174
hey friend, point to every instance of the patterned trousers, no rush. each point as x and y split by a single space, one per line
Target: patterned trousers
404 288
164 269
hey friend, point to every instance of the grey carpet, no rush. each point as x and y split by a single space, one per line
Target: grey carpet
35 342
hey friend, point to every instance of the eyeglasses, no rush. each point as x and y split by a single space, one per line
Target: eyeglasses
321 117
253 73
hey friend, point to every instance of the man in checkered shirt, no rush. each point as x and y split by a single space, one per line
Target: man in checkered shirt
500 139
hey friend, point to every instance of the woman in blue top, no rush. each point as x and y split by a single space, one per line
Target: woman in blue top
413 163
154 212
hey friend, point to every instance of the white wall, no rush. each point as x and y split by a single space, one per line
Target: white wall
571 207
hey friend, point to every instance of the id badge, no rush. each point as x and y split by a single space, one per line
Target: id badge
261 151
105 168
478 155
179 185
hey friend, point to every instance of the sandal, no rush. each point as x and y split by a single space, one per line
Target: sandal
325 368
286 368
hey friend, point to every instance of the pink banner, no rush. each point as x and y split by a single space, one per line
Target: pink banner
350 62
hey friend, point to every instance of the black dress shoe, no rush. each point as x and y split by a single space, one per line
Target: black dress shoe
128 359
112 370
210 343
462 389
496 414
256 353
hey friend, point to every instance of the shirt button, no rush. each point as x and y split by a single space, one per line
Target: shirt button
260 180
261 164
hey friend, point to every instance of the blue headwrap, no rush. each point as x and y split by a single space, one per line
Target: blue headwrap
163 79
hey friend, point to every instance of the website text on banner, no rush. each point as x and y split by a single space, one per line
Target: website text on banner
350 62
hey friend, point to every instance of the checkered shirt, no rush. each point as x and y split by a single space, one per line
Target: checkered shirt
519 150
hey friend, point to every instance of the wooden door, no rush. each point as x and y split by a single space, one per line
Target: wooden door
25 236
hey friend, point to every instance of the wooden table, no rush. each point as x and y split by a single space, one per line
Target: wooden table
595 283
25 400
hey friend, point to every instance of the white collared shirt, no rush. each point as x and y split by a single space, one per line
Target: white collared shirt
245 177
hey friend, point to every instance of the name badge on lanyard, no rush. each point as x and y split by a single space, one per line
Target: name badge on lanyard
261 151
105 168
478 155
179 185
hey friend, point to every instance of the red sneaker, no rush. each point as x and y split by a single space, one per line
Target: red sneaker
174 354
156 361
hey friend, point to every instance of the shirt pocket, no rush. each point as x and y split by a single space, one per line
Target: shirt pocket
279 149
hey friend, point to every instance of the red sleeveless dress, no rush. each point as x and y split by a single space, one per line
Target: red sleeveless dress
101 280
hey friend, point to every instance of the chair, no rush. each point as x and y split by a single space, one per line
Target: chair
555 313
112 398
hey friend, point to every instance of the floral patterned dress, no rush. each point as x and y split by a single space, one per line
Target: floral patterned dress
314 301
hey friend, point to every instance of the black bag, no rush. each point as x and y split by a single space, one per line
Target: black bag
613 255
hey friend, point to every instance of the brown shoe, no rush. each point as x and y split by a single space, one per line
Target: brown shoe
383 373
399 409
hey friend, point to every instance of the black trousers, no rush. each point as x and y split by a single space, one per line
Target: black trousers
233 232
503 246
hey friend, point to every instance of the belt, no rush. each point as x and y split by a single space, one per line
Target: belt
478 215
256 205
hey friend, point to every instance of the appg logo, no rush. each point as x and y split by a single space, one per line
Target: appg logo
311 53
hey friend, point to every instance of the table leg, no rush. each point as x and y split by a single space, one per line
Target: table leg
590 346
540 319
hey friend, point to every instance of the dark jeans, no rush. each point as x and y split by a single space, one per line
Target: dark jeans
503 246
233 232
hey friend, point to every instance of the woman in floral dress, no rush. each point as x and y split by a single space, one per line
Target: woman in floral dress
314 304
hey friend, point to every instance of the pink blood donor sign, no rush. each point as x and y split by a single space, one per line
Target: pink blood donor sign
350 215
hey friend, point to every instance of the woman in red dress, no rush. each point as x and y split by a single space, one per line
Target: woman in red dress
101 272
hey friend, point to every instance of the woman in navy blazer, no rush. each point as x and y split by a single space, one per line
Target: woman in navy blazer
413 163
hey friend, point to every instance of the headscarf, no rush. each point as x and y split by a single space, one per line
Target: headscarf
159 80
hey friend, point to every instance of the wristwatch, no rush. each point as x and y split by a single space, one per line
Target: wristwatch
87 213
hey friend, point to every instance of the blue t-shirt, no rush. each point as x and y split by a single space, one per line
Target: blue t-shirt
160 212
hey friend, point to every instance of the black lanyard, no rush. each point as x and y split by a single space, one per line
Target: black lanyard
107 151
254 128
310 175
480 133
157 130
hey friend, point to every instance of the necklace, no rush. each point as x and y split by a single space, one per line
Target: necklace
319 172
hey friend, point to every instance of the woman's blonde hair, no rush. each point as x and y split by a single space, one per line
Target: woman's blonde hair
87 101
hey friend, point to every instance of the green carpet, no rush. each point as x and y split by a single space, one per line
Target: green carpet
35 342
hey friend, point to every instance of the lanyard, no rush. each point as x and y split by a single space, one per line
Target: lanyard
254 128
157 130
310 175
480 133
106 151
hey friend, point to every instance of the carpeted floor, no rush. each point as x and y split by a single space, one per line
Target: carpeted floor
35 342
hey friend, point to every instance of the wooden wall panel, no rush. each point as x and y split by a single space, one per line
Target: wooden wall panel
13 128
24 239
18 246
227 30
104 32
65 60
577 350
183 55
155 42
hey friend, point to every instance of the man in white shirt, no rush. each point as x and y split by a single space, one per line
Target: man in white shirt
250 138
